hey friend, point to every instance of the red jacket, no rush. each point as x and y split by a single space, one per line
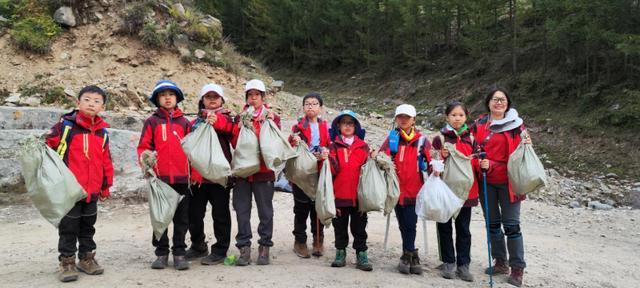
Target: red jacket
406 162
464 144
264 174
162 132
303 127
224 128
87 154
346 161
498 149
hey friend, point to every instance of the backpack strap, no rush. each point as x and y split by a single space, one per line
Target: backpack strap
66 137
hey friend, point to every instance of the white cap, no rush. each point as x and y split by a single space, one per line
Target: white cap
255 84
406 109
213 88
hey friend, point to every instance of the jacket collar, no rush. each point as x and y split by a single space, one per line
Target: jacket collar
164 113
85 121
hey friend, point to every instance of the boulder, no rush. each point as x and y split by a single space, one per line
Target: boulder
64 15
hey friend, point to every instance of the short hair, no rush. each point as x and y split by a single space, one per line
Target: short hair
315 95
452 105
93 89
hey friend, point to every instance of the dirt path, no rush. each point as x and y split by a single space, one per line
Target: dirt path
564 248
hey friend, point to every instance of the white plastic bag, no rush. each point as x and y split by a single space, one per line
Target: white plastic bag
204 151
436 201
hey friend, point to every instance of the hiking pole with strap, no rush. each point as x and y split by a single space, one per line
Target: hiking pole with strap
386 233
482 155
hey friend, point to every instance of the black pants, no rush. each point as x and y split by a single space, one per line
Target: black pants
407 220
463 239
180 226
304 208
218 196
358 228
77 227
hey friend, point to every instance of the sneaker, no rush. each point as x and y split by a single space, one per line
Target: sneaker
197 251
341 258
212 259
180 263
404 266
68 272
245 256
464 274
263 255
89 265
363 261
448 271
301 249
499 267
161 262
516 276
415 267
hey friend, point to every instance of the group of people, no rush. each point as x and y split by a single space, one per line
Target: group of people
81 139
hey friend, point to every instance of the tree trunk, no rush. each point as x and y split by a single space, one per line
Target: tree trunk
514 45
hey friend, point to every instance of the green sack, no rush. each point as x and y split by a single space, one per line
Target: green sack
204 151
246 157
325 200
458 172
163 200
372 187
303 170
275 149
53 189
391 178
526 173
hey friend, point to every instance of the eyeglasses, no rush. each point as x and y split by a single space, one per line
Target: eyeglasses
89 101
499 100
311 104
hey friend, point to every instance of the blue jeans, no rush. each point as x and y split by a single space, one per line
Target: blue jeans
407 219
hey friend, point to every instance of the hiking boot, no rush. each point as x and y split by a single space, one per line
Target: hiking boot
515 278
499 267
341 258
448 271
245 256
405 263
212 259
161 262
263 255
318 247
464 274
68 272
301 249
89 265
197 251
415 267
363 261
180 263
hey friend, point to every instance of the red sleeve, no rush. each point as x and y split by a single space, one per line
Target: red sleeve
52 139
276 119
385 147
333 159
224 124
294 130
426 152
107 180
235 131
146 139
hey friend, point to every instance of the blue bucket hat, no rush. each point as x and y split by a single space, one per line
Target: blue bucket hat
335 131
163 85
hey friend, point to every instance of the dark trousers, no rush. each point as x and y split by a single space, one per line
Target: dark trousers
504 214
463 239
180 226
304 208
262 191
407 219
77 228
358 227
218 196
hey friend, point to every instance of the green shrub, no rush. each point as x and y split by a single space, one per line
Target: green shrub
133 18
8 8
56 95
204 34
151 37
35 33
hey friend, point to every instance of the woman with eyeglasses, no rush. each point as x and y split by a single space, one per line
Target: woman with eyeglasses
497 134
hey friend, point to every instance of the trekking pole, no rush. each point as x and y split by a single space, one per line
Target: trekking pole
424 236
386 233
482 155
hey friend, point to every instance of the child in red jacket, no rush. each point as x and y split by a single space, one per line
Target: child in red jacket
81 139
162 133
259 184
347 154
211 113
457 132
408 149
314 131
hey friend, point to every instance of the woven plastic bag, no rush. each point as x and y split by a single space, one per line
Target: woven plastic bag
458 172
325 200
303 170
391 178
204 151
435 200
163 200
52 187
372 187
246 157
274 147
526 173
